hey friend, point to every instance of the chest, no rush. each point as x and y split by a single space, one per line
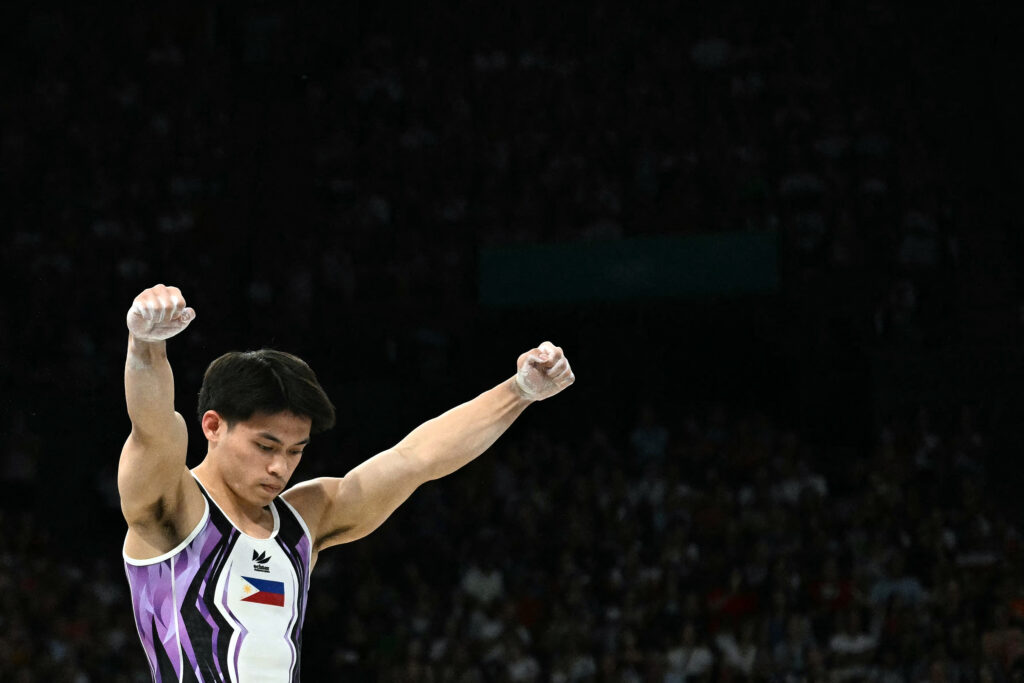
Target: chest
258 587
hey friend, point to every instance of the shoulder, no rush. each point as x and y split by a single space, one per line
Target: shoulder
312 500
308 496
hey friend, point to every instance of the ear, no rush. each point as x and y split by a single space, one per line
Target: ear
214 426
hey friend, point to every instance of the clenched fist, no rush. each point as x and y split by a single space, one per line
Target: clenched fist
159 313
543 372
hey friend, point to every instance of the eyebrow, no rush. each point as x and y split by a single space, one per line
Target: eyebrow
270 437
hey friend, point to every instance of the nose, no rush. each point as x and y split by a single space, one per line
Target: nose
278 466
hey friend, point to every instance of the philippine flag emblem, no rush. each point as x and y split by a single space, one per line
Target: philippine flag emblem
263 591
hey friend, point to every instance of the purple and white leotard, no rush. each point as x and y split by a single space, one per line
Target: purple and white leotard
224 606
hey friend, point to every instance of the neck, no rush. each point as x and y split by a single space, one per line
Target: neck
250 518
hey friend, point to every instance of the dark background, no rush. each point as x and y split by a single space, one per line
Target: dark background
327 180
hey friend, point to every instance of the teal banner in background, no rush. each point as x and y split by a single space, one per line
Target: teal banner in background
630 269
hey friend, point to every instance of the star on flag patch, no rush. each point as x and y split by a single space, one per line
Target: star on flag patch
263 591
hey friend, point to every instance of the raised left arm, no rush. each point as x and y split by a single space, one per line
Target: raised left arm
340 510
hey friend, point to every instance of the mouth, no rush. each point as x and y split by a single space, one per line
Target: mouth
271 488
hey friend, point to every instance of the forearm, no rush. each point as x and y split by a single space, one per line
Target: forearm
444 444
148 387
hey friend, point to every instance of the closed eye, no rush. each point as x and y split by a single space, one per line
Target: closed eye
264 447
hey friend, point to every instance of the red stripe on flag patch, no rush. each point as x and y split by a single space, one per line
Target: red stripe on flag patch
266 599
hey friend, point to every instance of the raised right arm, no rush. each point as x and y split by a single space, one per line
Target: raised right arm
152 477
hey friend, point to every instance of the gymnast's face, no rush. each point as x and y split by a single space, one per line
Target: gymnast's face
257 457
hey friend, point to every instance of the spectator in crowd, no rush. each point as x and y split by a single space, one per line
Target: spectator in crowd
689 659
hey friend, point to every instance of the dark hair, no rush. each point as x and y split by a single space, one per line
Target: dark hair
240 384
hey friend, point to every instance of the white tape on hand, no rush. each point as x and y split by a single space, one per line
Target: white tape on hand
523 386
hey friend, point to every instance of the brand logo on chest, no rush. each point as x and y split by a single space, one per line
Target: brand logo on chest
260 562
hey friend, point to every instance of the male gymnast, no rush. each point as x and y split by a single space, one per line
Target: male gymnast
218 557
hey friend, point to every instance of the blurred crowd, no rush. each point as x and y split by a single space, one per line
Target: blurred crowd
714 547
325 183
302 165
708 547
